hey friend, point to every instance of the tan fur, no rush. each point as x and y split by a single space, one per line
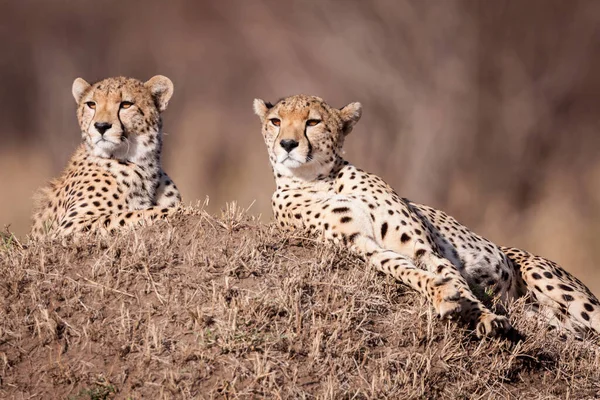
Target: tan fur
115 177
426 249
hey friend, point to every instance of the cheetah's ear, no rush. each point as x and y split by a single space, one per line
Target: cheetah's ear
80 86
161 88
261 108
350 115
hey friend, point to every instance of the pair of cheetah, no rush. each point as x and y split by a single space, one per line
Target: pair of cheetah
115 179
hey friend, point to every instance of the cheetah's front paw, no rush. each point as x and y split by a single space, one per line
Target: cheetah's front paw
492 325
446 298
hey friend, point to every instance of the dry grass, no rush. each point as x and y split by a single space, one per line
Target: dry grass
226 307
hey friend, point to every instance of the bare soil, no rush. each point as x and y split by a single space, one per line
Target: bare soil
227 307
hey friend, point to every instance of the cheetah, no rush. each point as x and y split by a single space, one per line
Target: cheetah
114 177
458 271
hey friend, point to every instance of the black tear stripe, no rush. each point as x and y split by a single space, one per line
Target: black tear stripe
310 148
123 134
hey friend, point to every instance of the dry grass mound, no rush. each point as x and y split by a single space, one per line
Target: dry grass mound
207 307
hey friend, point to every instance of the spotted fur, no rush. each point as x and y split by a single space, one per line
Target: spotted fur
555 293
424 248
115 177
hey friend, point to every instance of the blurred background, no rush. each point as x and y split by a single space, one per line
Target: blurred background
486 109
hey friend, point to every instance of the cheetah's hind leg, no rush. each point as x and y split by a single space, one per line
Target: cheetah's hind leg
563 298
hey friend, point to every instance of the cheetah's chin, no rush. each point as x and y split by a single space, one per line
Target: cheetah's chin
106 149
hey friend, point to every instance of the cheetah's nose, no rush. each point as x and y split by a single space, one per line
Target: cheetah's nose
102 127
289 144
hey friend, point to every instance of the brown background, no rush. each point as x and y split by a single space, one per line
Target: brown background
487 109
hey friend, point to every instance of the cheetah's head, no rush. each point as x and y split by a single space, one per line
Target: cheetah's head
120 117
304 135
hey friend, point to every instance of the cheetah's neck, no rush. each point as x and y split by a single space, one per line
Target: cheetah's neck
322 183
142 150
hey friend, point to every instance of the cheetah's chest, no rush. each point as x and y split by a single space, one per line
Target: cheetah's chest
105 186
135 186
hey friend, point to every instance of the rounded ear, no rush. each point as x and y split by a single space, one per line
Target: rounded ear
261 108
161 88
350 115
80 86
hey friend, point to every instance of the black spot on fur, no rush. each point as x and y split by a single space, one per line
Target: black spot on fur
568 297
384 229
566 288
339 210
585 316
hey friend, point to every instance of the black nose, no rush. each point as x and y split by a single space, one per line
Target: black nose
289 144
102 127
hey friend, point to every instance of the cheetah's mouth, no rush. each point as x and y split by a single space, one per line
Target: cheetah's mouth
103 140
291 162
105 147
104 143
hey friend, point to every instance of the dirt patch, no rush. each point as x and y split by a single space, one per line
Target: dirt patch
208 307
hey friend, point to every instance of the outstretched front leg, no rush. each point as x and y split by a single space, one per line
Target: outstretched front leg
440 282
341 220
133 218
112 222
346 221
441 291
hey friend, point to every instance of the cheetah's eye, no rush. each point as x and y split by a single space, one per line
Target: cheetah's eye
275 121
91 105
313 122
126 104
